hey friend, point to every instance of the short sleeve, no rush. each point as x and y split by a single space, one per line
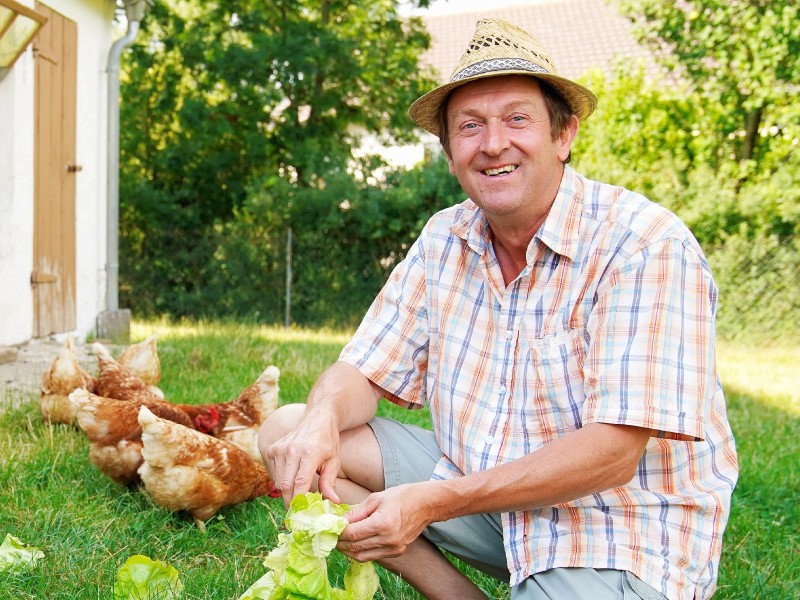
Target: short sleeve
650 357
391 344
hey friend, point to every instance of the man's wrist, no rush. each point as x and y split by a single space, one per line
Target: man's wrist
443 499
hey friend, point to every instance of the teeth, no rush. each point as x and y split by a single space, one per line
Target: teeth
501 170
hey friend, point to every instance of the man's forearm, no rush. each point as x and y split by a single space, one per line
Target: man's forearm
344 394
592 459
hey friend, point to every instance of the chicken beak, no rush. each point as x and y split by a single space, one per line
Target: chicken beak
232 428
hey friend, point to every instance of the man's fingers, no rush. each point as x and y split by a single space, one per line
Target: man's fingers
358 513
298 476
290 478
299 467
327 482
364 524
372 548
299 479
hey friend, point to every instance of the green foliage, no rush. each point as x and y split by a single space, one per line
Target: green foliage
739 55
222 97
760 299
640 137
347 236
361 240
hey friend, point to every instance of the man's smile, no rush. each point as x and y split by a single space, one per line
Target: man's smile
500 170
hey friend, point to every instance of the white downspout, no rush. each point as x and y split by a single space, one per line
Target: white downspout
134 10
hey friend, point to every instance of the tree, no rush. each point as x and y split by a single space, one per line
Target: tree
220 97
741 54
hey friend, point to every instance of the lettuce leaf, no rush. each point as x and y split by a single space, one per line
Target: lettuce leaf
141 578
264 589
360 580
298 567
16 556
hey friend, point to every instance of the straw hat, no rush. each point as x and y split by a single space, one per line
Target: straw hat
500 48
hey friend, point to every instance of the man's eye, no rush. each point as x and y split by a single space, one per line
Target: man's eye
468 128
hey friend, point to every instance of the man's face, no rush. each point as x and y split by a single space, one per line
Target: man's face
501 148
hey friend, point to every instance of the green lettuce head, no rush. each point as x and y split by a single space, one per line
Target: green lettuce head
298 565
141 578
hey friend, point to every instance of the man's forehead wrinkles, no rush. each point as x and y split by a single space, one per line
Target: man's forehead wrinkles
475 110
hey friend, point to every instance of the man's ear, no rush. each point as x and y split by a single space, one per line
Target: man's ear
449 160
567 137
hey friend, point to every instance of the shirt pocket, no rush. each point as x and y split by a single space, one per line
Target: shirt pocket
553 384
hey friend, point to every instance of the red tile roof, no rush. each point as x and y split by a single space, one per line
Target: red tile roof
580 34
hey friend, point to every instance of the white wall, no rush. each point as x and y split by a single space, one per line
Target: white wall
16 201
94 20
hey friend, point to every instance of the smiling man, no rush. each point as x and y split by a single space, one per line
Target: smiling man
501 149
561 333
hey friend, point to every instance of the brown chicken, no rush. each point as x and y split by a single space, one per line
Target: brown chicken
143 360
63 377
184 469
117 380
238 421
113 429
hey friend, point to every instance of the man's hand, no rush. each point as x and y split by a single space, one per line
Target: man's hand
385 523
309 451
341 399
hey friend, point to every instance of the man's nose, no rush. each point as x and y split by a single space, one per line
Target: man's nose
495 137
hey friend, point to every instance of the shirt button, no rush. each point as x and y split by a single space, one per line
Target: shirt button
489 440
509 334
502 390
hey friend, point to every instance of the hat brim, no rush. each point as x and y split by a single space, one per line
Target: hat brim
425 110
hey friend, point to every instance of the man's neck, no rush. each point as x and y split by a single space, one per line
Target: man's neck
511 248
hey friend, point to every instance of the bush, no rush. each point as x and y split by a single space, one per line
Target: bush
347 235
760 290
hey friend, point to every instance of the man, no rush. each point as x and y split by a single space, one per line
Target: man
561 332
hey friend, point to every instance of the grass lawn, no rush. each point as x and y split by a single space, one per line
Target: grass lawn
53 498
761 551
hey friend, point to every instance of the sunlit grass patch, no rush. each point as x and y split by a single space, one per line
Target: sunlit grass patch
771 373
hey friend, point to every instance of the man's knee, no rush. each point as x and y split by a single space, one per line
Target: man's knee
361 459
279 422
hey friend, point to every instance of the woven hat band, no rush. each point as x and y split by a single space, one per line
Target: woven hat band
498 64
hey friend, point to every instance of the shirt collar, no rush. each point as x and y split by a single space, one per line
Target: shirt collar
471 226
560 230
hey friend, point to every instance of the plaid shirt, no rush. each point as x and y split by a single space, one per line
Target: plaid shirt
611 321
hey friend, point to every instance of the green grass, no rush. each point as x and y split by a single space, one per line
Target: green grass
761 548
53 498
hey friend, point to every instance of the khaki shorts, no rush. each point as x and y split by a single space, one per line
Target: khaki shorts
410 454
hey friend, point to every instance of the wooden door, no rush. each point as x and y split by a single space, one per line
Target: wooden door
55 93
